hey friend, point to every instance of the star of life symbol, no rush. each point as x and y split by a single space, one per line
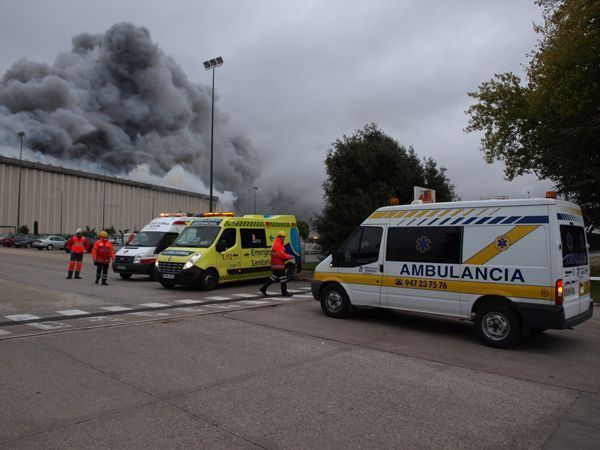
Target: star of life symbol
423 244
502 243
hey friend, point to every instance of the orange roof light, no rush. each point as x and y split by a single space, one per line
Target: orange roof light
551 194
218 214
179 214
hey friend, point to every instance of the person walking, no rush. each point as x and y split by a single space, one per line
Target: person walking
102 254
77 245
278 259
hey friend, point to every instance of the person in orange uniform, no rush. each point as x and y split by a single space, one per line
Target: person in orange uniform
77 245
102 254
278 259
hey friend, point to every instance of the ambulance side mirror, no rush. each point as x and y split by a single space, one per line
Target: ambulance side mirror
221 246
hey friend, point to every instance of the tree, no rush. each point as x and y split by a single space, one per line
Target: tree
23 229
364 171
550 125
303 229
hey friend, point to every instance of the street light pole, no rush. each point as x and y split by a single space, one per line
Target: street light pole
255 189
212 64
21 135
61 209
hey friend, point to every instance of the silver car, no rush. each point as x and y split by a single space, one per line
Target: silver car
50 242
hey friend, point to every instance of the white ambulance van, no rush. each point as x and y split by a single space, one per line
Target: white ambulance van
512 266
138 256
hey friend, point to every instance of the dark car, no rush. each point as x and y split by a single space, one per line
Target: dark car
8 240
26 240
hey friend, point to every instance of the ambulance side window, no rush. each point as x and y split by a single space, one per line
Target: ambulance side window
253 238
440 245
229 237
362 247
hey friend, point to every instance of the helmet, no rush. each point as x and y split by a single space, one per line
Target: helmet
79 231
281 234
103 234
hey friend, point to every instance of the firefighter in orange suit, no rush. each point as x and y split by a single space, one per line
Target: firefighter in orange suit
102 254
77 246
278 259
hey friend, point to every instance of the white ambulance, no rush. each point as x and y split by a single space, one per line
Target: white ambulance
512 266
139 255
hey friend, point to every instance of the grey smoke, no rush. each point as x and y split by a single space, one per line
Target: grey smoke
117 100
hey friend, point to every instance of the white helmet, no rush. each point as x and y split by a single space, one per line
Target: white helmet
79 231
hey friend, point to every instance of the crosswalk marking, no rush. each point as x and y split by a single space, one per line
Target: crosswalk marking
218 298
154 305
72 312
49 325
244 295
303 296
116 308
4 332
22 317
223 306
187 301
254 302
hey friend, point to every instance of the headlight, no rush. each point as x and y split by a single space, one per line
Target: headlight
137 259
156 263
192 261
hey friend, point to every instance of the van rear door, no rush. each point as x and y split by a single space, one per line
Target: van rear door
576 272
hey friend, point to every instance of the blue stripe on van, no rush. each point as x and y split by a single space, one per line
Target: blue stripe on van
444 221
484 220
433 221
457 220
422 221
469 220
533 219
511 219
496 220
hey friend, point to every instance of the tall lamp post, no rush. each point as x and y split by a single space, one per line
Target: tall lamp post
61 210
255 189
21 135
212 64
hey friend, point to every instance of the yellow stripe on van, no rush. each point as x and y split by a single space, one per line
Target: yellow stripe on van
423 212
433 213
490 250
399 214
457 212
444 212
469 212
352 278
377 215
411 213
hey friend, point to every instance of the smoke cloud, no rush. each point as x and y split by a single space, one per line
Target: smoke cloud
117 103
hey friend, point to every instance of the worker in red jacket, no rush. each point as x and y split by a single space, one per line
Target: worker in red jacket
77 245
102 254
278 259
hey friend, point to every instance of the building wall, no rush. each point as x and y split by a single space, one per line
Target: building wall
87 199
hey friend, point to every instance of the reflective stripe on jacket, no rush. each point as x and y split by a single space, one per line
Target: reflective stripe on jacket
103 251
278 255
77 244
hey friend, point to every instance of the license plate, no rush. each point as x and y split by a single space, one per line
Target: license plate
120 267
168 275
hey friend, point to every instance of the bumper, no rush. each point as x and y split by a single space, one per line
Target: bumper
136 269
315 289
550 317
190 277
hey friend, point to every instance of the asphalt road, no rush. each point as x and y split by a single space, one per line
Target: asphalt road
239 373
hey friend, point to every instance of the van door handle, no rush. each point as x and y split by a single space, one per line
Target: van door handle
381 268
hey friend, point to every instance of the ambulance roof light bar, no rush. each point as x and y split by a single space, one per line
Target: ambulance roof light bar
219 214
179 214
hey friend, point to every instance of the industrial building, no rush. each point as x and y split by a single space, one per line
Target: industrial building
60 200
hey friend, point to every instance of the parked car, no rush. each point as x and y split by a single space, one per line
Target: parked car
26 240
8 240
49 242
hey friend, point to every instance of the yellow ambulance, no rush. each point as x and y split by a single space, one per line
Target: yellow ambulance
221 248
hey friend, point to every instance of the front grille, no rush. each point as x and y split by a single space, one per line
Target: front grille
124 259
170 267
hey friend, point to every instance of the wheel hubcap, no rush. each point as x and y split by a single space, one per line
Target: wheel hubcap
495 326
333 301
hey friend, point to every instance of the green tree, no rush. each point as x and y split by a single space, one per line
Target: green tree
364 171
550 124
303 228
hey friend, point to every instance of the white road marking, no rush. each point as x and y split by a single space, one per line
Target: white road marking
294 291
306 288
49 325
304 296
154 305
216 297
4 332
188 309
116 308
72 312
245 295
253 302
223 306
149 313
20 317
283 299
188 301
105 319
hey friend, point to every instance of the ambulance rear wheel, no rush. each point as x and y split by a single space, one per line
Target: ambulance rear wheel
125 276
335 302
209 279
498 325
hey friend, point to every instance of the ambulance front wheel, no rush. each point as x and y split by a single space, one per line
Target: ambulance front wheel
498 325
209 279
335 302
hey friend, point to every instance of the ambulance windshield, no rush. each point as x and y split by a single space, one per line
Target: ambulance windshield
147 239
197 236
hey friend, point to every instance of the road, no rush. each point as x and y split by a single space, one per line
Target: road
233 372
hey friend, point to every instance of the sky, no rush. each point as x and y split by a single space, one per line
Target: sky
299 75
